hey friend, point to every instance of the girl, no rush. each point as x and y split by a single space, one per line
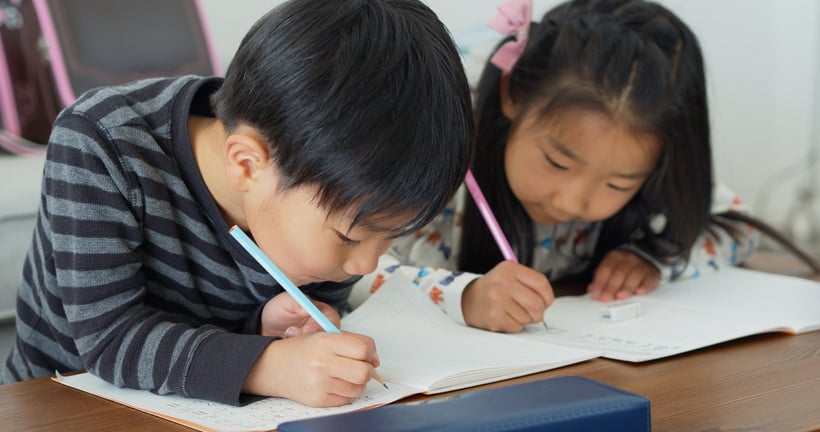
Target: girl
594 153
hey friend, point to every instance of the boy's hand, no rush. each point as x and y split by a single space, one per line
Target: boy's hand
282 316
622 274
319 369
507 298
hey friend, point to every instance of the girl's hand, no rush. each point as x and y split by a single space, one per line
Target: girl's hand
319 369
507 298
622 274
282 316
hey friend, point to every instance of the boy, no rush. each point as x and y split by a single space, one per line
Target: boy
318 143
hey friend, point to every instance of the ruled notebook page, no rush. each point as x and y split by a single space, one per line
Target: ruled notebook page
421 347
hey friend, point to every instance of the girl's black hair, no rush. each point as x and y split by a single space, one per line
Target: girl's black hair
634 61
365 99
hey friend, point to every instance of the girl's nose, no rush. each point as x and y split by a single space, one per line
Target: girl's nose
573 199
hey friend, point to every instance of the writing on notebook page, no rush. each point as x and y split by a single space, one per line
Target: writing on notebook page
265 414
601 341
686 315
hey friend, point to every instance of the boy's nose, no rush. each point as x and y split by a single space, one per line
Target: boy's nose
364 259
361 265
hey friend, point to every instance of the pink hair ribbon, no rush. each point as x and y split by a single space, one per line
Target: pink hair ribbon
513 18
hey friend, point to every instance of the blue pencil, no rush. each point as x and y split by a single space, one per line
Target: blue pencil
283 280
289 286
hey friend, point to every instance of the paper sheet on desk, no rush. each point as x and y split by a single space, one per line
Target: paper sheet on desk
262 415
687 315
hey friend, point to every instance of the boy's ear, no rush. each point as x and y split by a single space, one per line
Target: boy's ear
509 107
246 156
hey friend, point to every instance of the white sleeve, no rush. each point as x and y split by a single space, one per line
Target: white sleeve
424 257
716 248
443 287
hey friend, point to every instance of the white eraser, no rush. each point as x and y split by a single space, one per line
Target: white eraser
621 311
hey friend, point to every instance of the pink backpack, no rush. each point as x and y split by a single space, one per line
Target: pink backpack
51 51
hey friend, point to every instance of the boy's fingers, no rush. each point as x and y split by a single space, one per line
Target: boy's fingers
357 347
292 331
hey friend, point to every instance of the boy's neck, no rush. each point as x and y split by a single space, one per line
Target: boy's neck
208 136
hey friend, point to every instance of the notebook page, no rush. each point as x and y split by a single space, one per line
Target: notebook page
421 347
265 414
778 300
660 331
686 315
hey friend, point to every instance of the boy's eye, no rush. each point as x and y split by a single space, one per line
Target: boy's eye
554 163
348 241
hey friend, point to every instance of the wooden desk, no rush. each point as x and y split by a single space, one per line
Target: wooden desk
767 383
763 383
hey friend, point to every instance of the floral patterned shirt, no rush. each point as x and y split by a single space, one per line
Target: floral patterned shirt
427 256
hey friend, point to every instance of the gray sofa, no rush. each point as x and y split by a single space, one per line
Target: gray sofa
19 197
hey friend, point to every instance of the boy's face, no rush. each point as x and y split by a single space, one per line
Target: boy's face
299 237
576 165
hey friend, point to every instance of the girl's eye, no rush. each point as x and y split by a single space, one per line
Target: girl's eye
619 188
554 163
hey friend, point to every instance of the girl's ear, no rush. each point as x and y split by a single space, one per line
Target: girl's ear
246 156
509 107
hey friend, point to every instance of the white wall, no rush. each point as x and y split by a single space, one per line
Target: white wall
762 67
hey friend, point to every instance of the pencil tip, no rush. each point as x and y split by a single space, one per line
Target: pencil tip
385 386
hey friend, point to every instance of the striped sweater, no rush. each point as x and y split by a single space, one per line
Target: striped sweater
132 274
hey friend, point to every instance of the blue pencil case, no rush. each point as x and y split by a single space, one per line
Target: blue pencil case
570 404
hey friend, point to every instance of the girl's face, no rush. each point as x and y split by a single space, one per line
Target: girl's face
576 165
299 237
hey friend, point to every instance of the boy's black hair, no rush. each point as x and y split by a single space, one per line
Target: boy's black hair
365 99
634 61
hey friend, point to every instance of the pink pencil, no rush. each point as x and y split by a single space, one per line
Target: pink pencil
489 218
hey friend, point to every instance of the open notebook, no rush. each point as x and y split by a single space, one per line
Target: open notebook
687 315
423 351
